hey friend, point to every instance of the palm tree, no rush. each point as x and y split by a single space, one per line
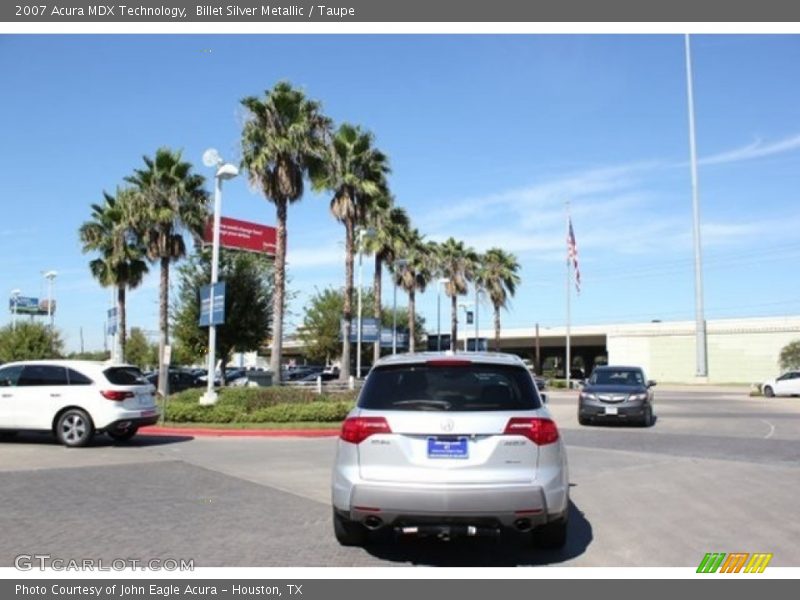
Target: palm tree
170 199
389 224
414 274
499 276
457 263
283 136
121 263
355 171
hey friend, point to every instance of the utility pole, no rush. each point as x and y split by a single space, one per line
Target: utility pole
700 320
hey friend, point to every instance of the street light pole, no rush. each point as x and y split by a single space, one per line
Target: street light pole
224 171
465 306
398 263
700 321
477 311
442 281
50 276
358 327
15 302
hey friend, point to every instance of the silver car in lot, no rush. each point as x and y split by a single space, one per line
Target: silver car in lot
450 444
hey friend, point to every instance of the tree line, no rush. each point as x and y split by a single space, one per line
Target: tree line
287 143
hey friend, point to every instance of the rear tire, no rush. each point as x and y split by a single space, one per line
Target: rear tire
74 428
552 536
123 436
347 532
769 392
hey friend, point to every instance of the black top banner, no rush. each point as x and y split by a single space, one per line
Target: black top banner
248 11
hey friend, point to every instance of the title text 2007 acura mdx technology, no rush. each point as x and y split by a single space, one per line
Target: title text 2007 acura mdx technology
75 399
450 444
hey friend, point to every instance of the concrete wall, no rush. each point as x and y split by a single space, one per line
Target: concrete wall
739 350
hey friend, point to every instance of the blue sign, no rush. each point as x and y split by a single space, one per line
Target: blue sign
369 330
112 321
217 316
386 338
25 305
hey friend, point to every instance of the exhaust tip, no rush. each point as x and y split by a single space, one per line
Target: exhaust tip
523 525
372 522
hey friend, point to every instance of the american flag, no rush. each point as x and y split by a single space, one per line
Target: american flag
572 253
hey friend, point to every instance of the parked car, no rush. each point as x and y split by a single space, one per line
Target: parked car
231 376
325 375
179 380
618 393
787 384
75 399
447 445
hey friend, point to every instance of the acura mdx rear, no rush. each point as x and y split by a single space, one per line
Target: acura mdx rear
450 444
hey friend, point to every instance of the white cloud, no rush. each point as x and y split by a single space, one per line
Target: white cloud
757 149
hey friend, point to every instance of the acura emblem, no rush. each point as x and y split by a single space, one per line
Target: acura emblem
447 425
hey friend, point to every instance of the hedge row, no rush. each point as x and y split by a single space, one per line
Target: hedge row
260 405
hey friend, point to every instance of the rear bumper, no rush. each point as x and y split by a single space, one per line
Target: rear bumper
135 420
408 505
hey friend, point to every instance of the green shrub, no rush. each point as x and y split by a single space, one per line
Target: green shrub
260 405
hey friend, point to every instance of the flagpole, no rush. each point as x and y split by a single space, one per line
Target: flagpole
567 365
700 321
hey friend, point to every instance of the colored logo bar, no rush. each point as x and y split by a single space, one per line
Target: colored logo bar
735 562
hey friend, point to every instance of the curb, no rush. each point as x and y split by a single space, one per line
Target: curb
210 432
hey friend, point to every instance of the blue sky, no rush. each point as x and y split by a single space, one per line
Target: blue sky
488 135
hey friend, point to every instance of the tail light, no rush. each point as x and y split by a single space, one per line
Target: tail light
356 429
117 396
540 431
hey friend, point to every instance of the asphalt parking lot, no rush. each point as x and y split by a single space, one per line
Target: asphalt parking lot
718 472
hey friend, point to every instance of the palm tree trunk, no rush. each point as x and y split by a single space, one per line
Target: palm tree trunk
453 321
347 312
280 292
412 320
122 321
497 329
163 341
377 284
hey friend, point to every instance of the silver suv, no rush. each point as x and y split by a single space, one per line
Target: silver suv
450 444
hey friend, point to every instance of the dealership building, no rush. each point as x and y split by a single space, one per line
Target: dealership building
739 350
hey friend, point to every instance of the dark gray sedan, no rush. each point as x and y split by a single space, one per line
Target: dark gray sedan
617 393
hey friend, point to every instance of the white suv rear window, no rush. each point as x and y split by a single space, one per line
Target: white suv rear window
468 387
125 376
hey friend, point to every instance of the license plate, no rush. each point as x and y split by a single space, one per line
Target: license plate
447 447
611 410
148 413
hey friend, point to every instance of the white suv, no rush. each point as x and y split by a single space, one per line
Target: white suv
450 444
75 399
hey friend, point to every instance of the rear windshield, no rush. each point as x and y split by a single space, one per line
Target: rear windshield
617 377
472 387
125 376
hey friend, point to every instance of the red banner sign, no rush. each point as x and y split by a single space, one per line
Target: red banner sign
242 235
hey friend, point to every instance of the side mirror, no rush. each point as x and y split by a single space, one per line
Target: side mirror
543 397
651 383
